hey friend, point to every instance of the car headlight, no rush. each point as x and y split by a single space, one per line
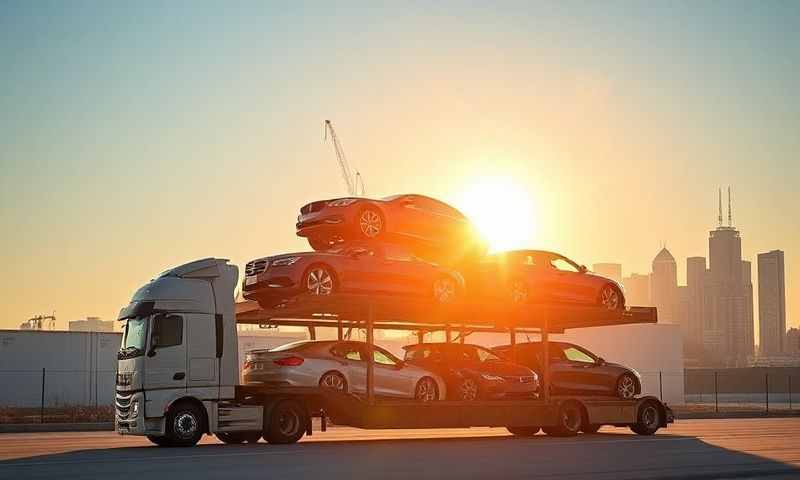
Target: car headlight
491 378
285 261
342 202
134 409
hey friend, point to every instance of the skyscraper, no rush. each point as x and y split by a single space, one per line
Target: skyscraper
664 286
637 290
725 332
771 303
696 274
609 270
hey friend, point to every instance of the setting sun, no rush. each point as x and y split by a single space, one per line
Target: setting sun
502 210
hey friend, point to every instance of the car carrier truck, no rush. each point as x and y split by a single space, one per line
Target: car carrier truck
178 367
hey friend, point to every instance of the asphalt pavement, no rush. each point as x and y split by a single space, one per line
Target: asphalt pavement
731 448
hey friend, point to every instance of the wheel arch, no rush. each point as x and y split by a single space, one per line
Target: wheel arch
195 402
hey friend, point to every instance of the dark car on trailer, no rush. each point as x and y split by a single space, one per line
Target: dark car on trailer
472 372
576 370
369 268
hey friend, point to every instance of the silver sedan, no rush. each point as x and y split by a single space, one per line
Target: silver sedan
340 365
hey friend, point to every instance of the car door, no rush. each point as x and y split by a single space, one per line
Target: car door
404 273
391 380
584 374
352 357
362 269
564 282
165 359
407 219
561 374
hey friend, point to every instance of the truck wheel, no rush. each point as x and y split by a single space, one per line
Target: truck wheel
185 425
286 423
648 419
160 441
570 419
523 431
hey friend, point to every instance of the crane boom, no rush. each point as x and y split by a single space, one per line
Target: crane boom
349 179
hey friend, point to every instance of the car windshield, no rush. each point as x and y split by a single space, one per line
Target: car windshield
134 337
476 354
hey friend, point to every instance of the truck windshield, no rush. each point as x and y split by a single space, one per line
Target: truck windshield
134 337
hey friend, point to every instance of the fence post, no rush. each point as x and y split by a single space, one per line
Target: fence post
790 393
716 393
766 388
660 387
41 410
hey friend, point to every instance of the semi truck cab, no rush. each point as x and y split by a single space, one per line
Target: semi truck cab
178 361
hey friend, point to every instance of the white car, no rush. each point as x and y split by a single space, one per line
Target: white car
340 365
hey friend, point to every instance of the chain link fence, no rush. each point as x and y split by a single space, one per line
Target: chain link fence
70 396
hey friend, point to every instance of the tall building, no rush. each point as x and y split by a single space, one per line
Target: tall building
609 270
664 286
695 283
725 330
637 290
771 303
748 321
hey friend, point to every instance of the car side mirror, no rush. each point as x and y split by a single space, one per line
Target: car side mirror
583 269
601 361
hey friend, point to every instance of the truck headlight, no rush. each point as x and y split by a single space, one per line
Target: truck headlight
134 409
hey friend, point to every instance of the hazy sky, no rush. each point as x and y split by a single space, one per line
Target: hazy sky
134 137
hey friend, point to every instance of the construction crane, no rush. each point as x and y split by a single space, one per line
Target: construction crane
352 178
40 322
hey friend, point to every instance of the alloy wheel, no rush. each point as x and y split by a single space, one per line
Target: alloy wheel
185 425
626 388
468 390
319 281
332 381
370 223
519 292
444 290
426 390
609 297
288 423
650 417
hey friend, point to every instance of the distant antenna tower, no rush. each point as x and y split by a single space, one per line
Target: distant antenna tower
719 214
730 216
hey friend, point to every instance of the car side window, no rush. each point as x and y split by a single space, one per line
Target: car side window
350 352
418 354
167 331
382 358
575 355
563 265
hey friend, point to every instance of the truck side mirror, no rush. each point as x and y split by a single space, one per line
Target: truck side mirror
151 352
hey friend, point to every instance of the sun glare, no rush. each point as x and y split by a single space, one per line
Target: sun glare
502 210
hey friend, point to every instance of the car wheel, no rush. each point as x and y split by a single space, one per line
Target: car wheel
445 290
370 223
518 291
333 381
626 386
468 389
570 419
319 280
611 298
287 423
648 419
590 428
427 390
185 425
523 431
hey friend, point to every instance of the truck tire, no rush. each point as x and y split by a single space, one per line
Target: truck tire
523 431
648 418
287 422
235 438
160 441
569 420
185 425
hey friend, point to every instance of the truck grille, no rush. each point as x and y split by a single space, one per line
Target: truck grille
124 379
255 267
122 403
313 207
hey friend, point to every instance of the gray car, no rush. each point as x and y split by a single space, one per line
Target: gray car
340 365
